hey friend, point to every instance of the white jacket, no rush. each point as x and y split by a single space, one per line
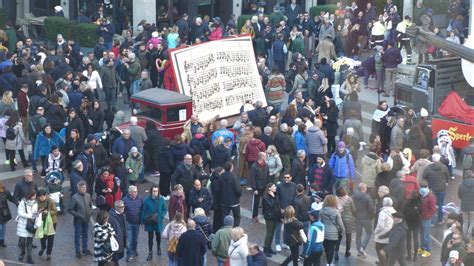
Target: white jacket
30 213
384 224
238 252
94 82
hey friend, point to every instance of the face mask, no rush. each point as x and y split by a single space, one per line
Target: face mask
424 190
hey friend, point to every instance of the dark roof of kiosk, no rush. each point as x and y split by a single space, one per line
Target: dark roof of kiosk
161 96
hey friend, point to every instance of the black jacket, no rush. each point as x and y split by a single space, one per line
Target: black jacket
298 172
286 193
190 249
437 175
5 214
266 139
466 194
302 205
97 117
117 221
76 123
194 196
154 140
397 240
411 211
56 116
101 155
291 233
283 143
230 190
220 156
364 206
259 176
271 207
22 189
165 160
183 176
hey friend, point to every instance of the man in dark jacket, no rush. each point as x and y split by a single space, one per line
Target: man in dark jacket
397 240
183 28
302 205
81 208
123 144
133 208
258 179
286 192
230 192
117 221
363 218
284 147
298 167
321 175
466 195
89 173
24 186
199 197
184 175
191 248
326 70
391 58
437 176
256 257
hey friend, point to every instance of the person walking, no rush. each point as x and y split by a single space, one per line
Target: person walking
117 220
153 212
364 213
5 213
466 195
314 249
343 167
47 207
221 241
203 227
27 215
44 142
103 231
16 141
397 238
272 215
346 205
238 248
259 178
133 209
292 235
411 211
384 224
333 228
427 212
81 208
286 192
230 193
437 175
191 248
173 230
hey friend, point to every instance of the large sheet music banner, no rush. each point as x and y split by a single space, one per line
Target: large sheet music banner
219 76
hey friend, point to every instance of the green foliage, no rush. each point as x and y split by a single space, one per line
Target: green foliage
276 17
58 25
3 18
86 34
241 21
316 10
439 6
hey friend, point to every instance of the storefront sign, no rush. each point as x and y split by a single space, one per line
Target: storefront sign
459 133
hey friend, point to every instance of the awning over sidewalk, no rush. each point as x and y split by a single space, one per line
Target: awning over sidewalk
455 108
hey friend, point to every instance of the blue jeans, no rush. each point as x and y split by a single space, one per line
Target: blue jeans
278 234
270 59
172 260
440 202
3 229
81 230
220 262
363 225
132 234
425 234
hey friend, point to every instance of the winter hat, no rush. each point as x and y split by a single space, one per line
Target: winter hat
454 254
315 206
423 112
314 213
341 144
228 220
134 149
90 137
58 8
154 34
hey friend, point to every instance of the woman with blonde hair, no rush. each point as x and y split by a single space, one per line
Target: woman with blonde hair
220 153
173 37
274 164
247 28
173 230
292 235
334 228
238 249
7 103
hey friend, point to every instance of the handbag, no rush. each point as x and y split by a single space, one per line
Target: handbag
30 223
114 245
152 219
172 244
209 239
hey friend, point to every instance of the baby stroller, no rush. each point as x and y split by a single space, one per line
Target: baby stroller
54 182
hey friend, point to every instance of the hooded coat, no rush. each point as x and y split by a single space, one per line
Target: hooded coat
384 224
466 194
134 163
333 224
371 166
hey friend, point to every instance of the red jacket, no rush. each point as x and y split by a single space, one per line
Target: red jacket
169 81
428 207
411 184
23 103
216 34
253 148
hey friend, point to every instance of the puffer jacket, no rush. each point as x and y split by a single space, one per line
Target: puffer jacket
254 146
342 165
316 141
371 166
26 210
437 175
274 164
221 242
44 144
466 194
419 168
384 224
203 227
271 208
332 220
179 151
19 142
134 163
238 251
220 156
348 211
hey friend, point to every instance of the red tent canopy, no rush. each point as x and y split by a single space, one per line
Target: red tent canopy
455 108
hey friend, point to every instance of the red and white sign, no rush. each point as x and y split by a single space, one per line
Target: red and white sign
459 133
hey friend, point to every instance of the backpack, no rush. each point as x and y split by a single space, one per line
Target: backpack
467 161
172 244
10 134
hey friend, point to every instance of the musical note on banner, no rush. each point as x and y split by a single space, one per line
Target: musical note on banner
240 83
208 105
204 77
234 56
235 70
241 97
199 63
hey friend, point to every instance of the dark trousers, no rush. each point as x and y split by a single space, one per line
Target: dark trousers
110 97
270 227
348 243
44 164
165 180
26 244
392 260
293 257
11 157
256 202
331 144
235 212
80 230
280 65
217 220
379 248
330 249
49 240
314 259
150 240
413 233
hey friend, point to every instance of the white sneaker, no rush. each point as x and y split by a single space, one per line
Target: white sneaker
285 246
277 248
94 207
452 178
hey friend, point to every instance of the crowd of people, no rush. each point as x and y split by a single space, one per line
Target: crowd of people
299 162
